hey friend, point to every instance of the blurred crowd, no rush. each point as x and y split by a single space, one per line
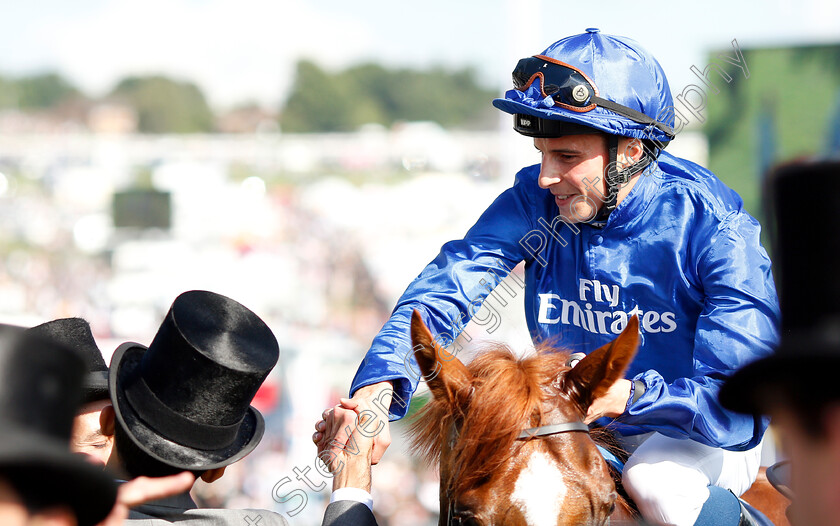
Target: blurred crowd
320 256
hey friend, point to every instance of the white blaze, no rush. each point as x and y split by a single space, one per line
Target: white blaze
539 490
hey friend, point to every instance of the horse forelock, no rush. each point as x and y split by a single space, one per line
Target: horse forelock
509 395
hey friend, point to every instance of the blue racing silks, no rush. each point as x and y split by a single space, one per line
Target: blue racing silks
679 252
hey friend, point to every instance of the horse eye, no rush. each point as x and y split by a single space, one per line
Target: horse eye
464 519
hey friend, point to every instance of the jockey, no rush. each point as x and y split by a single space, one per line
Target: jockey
610 225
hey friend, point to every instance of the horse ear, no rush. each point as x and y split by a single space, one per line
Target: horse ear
445 374
595 374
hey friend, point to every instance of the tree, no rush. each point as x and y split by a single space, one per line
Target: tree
164 105
46 90
370 93
8 93
317 103
42 91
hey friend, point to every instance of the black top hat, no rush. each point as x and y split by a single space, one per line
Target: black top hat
185 400
806 251
75 333
40 390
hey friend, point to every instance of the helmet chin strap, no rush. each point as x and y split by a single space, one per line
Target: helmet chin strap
616 179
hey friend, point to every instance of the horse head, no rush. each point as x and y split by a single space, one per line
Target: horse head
491 473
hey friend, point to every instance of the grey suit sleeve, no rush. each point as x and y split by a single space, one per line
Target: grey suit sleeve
267 518
348 513
210 517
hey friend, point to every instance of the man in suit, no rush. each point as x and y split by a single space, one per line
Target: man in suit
86 436
40 480
183 403
797 385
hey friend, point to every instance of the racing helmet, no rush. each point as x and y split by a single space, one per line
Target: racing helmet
594 83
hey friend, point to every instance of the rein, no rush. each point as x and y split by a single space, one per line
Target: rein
532 432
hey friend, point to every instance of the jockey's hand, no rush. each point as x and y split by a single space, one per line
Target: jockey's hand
339 422
612 403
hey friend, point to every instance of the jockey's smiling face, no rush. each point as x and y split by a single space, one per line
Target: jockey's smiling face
572 169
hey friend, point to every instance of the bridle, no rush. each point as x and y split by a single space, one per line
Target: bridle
553 429
576 426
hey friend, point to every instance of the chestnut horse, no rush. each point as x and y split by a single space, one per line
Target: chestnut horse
509 437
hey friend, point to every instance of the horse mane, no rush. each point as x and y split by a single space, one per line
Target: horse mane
509 396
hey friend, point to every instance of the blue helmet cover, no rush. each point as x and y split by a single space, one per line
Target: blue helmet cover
622 72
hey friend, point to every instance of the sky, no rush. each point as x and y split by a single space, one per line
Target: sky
245 50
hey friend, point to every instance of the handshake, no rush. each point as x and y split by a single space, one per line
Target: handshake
352 436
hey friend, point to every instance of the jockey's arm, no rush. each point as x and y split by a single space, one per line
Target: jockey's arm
450 290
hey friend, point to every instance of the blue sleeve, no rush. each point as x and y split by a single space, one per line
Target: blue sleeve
738 324
450 290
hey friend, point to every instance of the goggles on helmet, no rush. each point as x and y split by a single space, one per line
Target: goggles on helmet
572 89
